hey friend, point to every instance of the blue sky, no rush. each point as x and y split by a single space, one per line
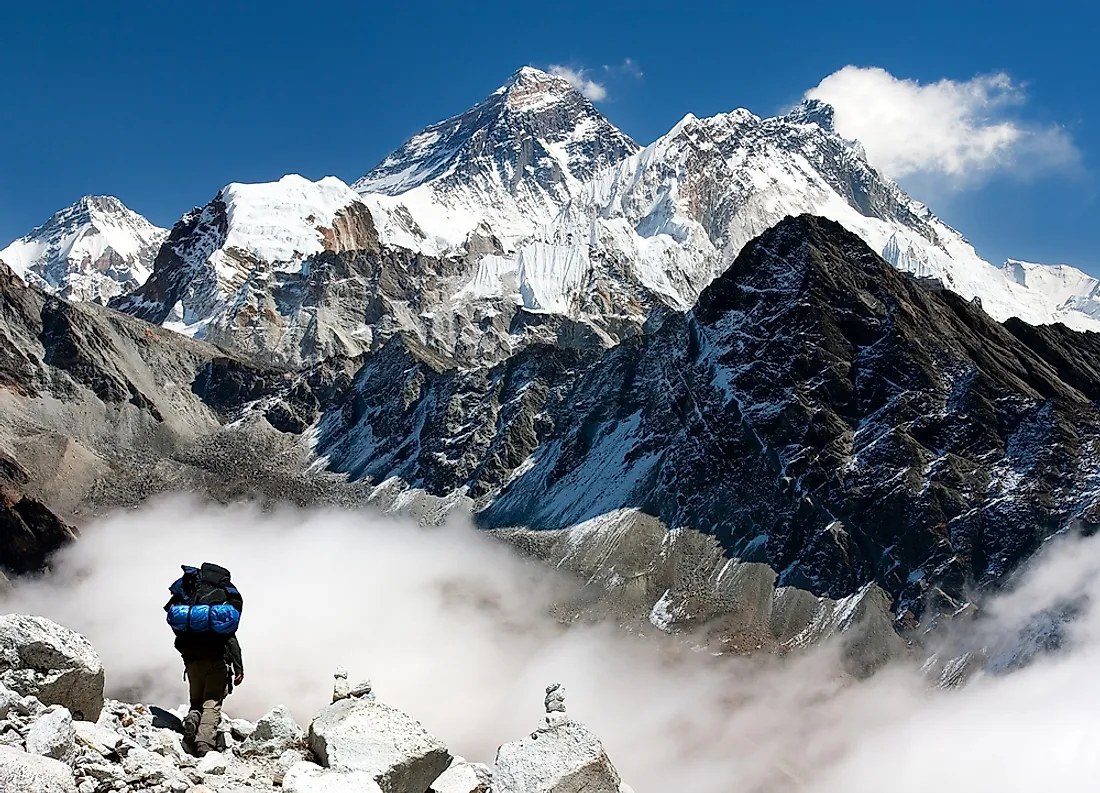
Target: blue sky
163 103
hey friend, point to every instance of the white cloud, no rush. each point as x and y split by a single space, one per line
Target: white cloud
578 78
960 130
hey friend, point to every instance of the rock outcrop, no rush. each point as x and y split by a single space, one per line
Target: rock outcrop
561 756
58 666
360 734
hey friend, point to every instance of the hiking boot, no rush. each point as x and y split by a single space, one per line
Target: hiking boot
203 749
190 730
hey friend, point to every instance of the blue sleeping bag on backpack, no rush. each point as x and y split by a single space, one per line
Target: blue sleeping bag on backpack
204 601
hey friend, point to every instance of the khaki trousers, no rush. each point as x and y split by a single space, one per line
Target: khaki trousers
208 681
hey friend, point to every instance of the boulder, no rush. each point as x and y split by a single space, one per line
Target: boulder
307 777
58 666
22 772
240 729
211 763
367 735
275 733
144 768
96 737
564 758
52 735
286 761
463 777
9 701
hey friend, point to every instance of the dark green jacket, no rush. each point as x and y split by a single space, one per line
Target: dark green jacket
210 647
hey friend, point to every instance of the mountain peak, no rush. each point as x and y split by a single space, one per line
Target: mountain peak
813 111
101 203
528 75
533 89
512 160
93 249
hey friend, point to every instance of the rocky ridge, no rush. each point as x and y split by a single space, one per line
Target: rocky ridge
356 743
814 401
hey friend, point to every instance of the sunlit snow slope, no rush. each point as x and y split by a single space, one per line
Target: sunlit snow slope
92 250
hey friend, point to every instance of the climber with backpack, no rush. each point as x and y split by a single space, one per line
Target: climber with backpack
204 612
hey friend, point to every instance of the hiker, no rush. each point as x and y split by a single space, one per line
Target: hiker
204 611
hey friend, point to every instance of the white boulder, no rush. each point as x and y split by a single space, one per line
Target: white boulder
23 772
240 728
564 758
366 735
308 777
58 666
96 737
286 761
275 733
211 763
52 735
463 777
9 701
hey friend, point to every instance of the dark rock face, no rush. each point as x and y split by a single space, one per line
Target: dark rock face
29 533
178 271
818 410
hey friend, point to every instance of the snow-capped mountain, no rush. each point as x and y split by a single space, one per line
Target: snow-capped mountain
292 272
530 217
557 200
235 247
508 163
675 214
1067 287
92 250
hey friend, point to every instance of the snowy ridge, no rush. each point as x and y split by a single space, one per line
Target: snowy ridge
1065 286
220 256
279 222
92 250
695 197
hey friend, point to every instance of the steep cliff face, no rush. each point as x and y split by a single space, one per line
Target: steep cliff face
99 410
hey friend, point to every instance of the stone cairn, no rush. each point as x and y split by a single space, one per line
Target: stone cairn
555 705
342 690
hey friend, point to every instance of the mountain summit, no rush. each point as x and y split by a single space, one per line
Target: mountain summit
92 250
510 163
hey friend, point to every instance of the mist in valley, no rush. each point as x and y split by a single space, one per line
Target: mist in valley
456 629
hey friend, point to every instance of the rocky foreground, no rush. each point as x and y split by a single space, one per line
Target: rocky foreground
58 734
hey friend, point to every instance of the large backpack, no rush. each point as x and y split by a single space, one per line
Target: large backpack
204 600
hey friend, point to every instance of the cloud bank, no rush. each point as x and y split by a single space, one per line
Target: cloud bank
457 630
959 130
